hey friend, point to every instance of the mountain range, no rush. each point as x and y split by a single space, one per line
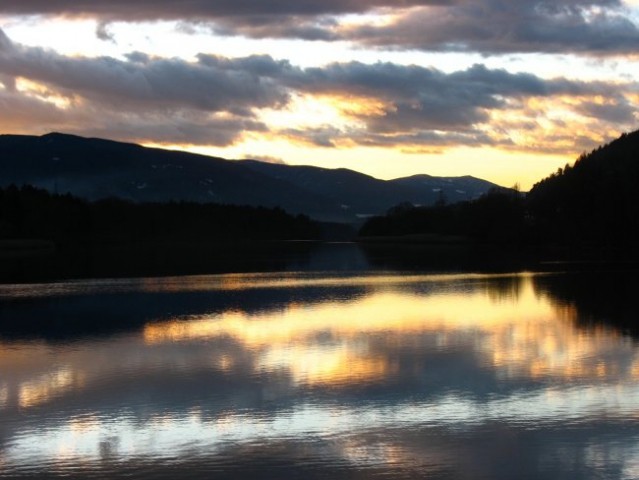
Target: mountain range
94 168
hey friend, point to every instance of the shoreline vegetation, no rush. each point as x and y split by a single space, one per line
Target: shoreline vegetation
34 214
46 236
588 212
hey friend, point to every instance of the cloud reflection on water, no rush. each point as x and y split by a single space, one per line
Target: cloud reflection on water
389 378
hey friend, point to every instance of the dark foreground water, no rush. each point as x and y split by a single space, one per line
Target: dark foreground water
331 375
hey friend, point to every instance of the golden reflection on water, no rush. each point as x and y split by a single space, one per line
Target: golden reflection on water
31 376
4 396
497 326
513 329
316 365
248 281
383 311
519 332
45 387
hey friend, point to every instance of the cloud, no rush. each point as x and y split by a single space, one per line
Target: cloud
265 159
272 26
413 141
254 10
216 100
597 27
158 83
24 113
141 98
493 26
28 115
425 107
5 43
615 109
103 33
321 136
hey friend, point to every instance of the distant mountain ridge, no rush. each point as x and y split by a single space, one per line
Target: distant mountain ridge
96 168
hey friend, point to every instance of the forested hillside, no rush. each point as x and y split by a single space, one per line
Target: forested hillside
95 169
592 206
595 201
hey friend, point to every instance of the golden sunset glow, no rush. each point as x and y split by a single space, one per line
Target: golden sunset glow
352 106
304 111
385 89
41 92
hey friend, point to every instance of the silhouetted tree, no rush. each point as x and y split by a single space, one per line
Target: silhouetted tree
497 216
28 212
594 203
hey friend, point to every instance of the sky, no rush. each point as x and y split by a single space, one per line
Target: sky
505 90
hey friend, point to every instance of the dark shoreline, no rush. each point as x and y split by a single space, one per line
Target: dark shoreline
22 263
33 261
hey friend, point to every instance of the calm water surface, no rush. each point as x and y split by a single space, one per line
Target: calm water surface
299 375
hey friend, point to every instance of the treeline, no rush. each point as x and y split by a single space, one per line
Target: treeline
495 217
594 202
591 206
32 213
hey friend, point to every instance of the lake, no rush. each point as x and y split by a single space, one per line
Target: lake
322 374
